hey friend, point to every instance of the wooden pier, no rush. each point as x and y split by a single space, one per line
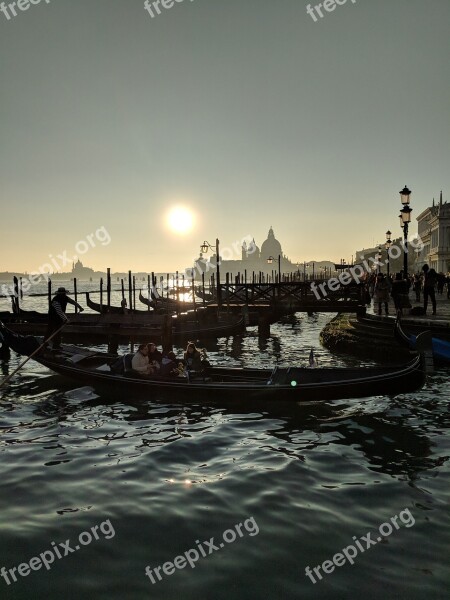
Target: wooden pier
261 301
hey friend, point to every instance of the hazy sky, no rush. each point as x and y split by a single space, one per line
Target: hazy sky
246 111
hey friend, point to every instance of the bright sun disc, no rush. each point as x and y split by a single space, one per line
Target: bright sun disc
180 220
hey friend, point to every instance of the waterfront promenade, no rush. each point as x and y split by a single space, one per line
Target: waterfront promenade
442 310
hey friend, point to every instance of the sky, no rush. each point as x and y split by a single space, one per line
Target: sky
248 113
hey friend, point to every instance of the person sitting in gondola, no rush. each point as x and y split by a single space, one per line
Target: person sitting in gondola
154 355
57 315
140 363
169 365
192 358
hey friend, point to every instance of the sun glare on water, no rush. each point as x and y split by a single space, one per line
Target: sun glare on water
180 220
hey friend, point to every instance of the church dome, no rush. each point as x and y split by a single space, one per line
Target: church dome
252 250
271 246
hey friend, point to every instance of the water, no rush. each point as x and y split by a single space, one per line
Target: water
160 476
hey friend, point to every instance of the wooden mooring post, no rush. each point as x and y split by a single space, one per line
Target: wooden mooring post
264 324
130 292
16 302
113 343
203 288
75 293
123 302
49 293
166 333
108 287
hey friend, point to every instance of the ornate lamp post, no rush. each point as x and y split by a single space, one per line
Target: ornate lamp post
378 256
270 261
388 245
204 249
405 220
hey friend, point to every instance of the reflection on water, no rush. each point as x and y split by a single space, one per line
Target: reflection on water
312 476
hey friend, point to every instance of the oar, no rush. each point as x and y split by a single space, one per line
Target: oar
31 355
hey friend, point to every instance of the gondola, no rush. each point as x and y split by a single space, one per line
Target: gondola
241 386
6 316
104 309
440 348
189 329
146 301
30 316
206 296
170 303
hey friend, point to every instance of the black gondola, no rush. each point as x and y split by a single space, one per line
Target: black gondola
170 304
146 301
242 386
439 347
104 309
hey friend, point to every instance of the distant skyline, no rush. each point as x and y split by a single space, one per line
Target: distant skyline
249 115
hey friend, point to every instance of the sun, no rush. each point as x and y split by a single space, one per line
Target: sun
180 219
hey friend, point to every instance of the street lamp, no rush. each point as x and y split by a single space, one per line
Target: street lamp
405 220
388 245
270 261
378 257
204 249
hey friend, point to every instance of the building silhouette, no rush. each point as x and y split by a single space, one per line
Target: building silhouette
434 230
255 259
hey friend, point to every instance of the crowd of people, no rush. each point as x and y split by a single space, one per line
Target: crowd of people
427 282
148 361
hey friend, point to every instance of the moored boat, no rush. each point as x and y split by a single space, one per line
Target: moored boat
440 347
104 309
239 385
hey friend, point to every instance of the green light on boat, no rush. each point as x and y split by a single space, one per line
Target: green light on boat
293 383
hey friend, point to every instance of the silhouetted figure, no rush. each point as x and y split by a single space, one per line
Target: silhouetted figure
400 293
428 287
417 286
381 293
192 358
169 365
154 355
57 315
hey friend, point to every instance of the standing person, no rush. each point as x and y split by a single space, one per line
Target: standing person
440 283
417 286
399 293
57 315
381 293
430 280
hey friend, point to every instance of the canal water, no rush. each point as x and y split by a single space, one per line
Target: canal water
246 500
